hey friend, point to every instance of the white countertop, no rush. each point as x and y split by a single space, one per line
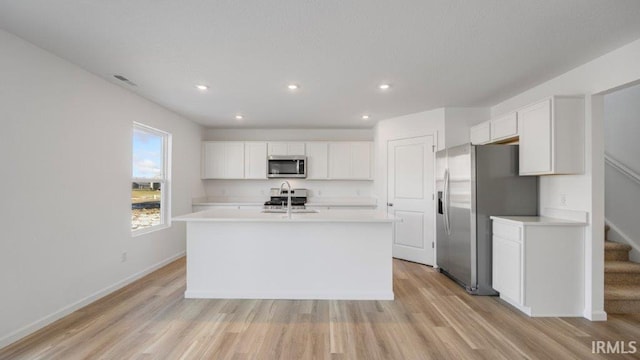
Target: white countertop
538 221
341 215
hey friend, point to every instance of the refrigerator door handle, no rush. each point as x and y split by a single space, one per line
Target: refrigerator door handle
446 203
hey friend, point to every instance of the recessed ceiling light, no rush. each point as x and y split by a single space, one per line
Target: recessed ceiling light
239 117
293 86
202 87
365 117
384 86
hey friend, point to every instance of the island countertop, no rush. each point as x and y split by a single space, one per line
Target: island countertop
236 215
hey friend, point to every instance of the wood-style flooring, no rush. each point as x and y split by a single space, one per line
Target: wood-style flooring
431 318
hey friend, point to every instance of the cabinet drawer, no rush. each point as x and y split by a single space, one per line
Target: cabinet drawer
506 231
504 127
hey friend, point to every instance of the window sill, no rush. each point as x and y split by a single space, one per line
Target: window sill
152 229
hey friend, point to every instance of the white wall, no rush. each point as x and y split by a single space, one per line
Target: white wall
259 189
65 150
585 192
622 193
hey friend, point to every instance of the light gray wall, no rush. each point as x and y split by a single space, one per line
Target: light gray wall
622 194
65 152
622 126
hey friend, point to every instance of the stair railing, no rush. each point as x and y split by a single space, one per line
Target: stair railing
622 168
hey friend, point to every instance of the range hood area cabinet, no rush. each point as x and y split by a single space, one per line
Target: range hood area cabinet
326 160
285 148
550 133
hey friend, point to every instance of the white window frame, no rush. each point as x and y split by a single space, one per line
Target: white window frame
165 182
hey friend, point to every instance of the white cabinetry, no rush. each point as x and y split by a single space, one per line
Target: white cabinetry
223 160
505 127
496 130
286 148
196 208
552 136
481 133
538 265
317 160
340 160
350 160
255 160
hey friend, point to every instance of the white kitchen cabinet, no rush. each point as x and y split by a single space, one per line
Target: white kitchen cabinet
505 127
481 133
538 264
351 160
317 160
552 136
196 208
286 148
255 164
340 207
223 160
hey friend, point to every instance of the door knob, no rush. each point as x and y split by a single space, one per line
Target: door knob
389 204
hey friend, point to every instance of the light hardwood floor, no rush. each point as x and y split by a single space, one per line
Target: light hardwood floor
431 318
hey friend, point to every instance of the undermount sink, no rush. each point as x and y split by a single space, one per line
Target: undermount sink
293 211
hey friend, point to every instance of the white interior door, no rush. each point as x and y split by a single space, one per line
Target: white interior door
410 196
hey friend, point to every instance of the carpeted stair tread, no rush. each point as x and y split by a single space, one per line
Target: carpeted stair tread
621 267
622 292
610 245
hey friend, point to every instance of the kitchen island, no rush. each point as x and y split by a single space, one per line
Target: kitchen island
329 254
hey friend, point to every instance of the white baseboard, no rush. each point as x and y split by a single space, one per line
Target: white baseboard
42 322
294 295
595 315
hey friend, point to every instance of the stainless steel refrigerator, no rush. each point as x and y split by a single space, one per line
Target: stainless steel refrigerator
474 182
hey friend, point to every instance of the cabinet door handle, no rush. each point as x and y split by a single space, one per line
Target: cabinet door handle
389 204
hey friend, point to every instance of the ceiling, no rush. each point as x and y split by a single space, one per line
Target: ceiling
434 53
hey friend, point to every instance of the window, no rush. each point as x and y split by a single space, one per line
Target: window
150 183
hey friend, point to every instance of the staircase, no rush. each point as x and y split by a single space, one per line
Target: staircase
621 279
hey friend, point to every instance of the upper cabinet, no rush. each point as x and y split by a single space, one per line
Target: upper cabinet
255 160
351 160
317 160
505 127
552 136
286 148
550 133
496 130
481 133
339 160
223 160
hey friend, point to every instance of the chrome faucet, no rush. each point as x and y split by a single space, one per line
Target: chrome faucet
288 197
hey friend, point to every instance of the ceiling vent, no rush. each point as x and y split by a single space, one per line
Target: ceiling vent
124 80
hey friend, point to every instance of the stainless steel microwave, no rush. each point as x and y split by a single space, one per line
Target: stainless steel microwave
286 166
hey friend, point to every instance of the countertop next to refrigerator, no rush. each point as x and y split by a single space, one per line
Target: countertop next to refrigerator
538 221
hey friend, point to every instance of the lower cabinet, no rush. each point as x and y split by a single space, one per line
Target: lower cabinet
538 265
196 208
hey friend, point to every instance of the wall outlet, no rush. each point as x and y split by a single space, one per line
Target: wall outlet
124 256
563 199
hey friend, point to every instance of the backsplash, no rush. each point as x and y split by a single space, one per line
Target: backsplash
260 188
